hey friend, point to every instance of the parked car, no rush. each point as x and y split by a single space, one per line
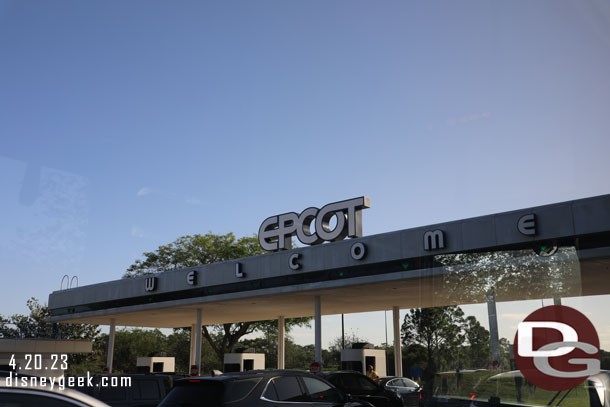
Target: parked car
43 396
264 388
407 389
143 390
360 387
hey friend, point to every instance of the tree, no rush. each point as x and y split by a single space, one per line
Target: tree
414 356
299 357
334 350
604 358
512 274
296 356
189 251
439 330
478 351
36 325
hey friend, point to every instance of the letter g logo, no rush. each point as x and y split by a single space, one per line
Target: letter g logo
557 348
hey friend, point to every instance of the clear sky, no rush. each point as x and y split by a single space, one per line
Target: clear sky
125 125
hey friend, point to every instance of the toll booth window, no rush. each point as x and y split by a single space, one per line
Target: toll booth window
370 361
232 367
248 364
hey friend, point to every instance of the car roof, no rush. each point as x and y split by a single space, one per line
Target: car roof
249 374
66 392
388 378
344 372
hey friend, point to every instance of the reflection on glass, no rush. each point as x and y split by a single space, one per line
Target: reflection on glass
513 275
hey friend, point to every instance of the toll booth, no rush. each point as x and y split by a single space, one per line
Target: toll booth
243 360
156 364
362 355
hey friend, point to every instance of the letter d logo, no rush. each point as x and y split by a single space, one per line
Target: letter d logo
556 348
525 335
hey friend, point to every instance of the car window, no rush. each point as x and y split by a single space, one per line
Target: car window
346 382
320 391
394 382
285 388
145 390
110 393
239 389
270 393
28 400
191 394
366 385
409 383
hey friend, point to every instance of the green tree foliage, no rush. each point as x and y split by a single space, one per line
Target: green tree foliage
129 344
438 330
478 351
512 274
414 355
333 359
179 346
604 359
295 356
450 340
299 357
190 251
36 325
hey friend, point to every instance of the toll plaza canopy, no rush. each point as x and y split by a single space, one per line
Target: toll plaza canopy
558 250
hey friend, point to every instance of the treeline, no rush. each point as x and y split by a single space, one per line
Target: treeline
443 338
434 339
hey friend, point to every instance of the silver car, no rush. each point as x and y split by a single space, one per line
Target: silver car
28 395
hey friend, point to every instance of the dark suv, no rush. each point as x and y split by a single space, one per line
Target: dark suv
360 387
258 388
143 390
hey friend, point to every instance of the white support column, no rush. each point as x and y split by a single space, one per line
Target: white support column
493 325
193 339
110 354
397 347
318 330
281 329
198 341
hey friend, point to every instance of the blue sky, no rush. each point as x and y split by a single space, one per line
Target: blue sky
125 125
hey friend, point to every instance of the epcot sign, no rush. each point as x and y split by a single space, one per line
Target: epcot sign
275 233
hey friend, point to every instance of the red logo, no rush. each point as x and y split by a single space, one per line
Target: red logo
556 348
